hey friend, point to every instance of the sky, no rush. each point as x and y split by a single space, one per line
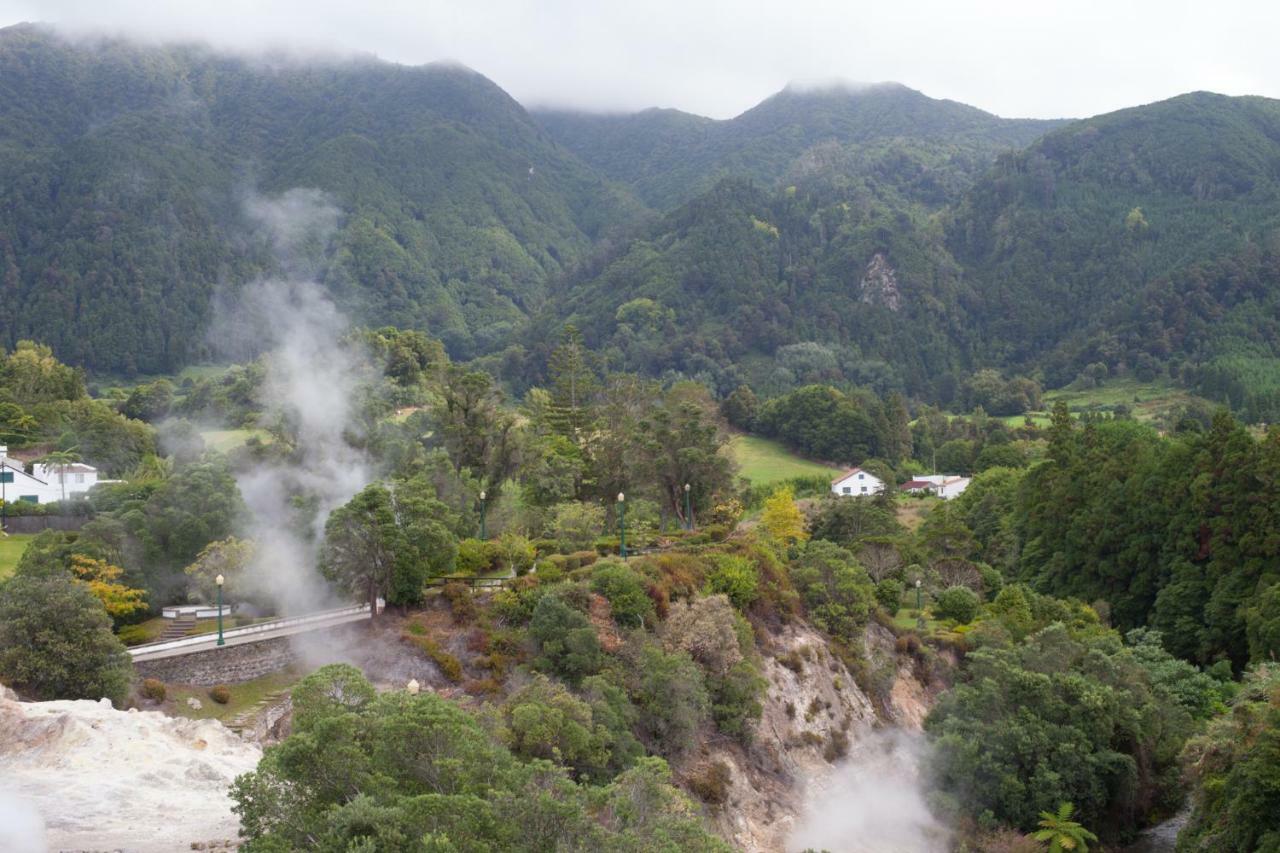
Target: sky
1016 58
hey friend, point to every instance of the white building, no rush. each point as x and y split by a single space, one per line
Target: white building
46 483
857 483
945 486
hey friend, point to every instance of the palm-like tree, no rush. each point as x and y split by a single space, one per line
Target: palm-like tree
1062 833
61 459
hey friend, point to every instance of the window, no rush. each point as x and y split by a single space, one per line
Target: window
847 490
864 490
861 476
79 478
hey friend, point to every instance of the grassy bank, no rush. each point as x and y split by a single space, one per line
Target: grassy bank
763 461
11 548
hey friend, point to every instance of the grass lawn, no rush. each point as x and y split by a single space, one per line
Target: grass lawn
763 461
243 696
11 548
225 440
1147 400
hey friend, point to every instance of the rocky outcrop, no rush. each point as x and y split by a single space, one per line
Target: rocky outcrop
879 285
815 715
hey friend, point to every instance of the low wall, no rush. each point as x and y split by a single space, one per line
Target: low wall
241 662
38 523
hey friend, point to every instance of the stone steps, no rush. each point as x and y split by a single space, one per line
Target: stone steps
178 628
247 717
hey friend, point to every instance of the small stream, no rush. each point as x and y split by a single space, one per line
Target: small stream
1161 838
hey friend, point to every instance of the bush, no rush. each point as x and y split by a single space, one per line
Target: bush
566 642
56 641
889 595
716 532
737 578
220 694
475 557
153 689
628 599
132 635
461 601
957 602
710 783
575 525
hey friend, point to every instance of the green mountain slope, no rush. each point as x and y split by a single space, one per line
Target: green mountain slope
124 173
1131 238
668 156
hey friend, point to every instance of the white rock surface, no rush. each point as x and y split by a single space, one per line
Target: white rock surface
102 779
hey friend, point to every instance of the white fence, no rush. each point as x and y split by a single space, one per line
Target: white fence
251 633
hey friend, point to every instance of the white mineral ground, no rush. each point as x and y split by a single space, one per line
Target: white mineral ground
102 779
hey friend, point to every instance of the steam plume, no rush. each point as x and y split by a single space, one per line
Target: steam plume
873 802
310 386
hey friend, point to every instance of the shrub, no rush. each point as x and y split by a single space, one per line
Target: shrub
957 602
710 783
220 694
567 644
132 635
516 553
153 689
550 573
837 746
475 557
461 601
889 595
576 525
737 578
716 532
625 590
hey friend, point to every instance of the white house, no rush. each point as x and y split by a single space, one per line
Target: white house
46 483
945 486
857 483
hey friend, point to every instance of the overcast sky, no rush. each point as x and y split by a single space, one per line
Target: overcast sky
1041 58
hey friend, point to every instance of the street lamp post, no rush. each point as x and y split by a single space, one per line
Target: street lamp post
482 497
6 477
919 607
219 580
688 512
622 525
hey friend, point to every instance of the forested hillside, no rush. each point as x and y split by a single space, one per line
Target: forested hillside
863 236
668 156
125 173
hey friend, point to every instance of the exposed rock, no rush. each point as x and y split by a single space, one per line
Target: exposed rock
103 779
813 710
879 284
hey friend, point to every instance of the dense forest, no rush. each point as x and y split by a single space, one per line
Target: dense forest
867 236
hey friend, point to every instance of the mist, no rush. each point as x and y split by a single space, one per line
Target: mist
21 827
716 58
873 802
310 387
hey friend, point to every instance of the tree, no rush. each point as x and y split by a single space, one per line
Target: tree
957 602
61 460
228 557
781 518
103 579
474 429
573 386
56 640
330 691
740 408
1060 833
363 544
564 639
736 577
834 588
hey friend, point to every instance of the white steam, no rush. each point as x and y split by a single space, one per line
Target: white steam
311 384
21 827
873 802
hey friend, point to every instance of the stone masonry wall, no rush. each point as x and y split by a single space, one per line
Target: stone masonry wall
227 665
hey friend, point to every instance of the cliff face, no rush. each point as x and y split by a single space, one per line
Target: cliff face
100 779
817 734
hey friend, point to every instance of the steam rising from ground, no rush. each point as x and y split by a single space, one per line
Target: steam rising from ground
311 381
873 802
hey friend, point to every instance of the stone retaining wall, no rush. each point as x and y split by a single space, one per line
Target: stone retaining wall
225 665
